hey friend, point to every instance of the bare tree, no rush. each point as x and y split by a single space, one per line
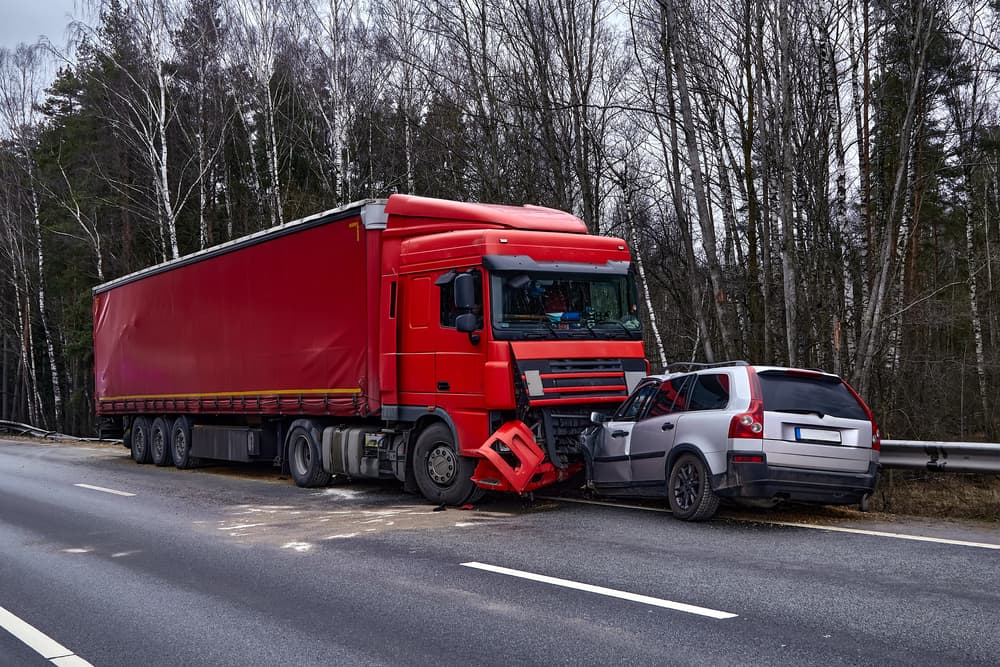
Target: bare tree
21 73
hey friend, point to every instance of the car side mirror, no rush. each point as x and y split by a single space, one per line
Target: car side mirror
598 417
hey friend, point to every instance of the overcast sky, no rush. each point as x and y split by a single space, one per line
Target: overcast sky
27 20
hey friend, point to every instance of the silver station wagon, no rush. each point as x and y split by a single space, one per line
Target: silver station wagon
736 431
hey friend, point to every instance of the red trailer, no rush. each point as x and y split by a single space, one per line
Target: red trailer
453 346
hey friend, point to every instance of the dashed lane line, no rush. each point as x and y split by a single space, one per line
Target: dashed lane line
40 642
601 590
810 526
104 490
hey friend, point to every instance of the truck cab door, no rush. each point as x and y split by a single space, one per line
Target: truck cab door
612 445
460 359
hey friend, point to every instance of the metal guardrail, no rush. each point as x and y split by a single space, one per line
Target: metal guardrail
18 428
941 456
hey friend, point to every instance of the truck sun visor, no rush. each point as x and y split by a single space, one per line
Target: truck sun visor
525 263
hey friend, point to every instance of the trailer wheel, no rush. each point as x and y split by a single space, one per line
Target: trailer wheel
305 461
140 440
180 443
443 476
159 441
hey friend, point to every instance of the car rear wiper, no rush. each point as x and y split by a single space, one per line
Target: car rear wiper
796 411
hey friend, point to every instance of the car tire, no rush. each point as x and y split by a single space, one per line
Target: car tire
689 491
159 442
180 444
444 477
305 461
140 440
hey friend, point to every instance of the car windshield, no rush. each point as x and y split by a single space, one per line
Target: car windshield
550 305
808 394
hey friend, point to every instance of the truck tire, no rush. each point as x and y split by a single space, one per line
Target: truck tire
688 490
180 444
444 477
159 442
305 461
140 440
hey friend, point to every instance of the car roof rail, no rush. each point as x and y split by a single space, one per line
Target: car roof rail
690 365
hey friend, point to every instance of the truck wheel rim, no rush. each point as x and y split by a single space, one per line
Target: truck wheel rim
158 443
441 465
139 441
686 486
303 455
180 446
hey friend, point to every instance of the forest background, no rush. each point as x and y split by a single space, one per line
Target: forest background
812 182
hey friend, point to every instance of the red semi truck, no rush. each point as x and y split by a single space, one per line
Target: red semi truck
452 346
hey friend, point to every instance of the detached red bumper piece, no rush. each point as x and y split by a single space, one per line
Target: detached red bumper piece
513 461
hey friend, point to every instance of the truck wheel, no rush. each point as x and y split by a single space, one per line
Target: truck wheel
305 461
140 440
159 441
689 492
180 444
443 476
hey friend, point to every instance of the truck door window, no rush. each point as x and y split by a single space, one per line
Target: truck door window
447 306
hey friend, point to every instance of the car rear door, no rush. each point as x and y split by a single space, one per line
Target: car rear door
812 420
653 435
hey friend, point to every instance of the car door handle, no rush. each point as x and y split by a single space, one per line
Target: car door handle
619 434
667 426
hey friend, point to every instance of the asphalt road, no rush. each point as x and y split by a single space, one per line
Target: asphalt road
237 566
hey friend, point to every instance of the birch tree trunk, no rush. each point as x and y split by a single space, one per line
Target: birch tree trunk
788 269
677 49
871 323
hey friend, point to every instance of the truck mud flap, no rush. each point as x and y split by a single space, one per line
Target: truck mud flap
513 461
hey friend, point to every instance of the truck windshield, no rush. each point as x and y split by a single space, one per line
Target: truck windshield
552 305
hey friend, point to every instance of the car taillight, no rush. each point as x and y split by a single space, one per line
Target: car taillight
876 434
749 424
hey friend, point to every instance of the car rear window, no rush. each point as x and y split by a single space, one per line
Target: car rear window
784 392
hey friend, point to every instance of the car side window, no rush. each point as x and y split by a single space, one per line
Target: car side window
670 398
710 391
636 404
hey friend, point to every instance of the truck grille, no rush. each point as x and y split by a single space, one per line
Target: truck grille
577 381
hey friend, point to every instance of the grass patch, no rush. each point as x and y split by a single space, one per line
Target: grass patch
938 495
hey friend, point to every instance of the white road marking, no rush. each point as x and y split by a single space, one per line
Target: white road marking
811 526
241 526
601 590
39 642
879 533
104 490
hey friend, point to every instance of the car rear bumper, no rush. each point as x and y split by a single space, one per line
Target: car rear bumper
760 480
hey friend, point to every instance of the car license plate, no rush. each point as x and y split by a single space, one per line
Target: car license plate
817 435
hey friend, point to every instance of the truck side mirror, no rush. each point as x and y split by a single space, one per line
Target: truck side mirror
465 295
466 322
